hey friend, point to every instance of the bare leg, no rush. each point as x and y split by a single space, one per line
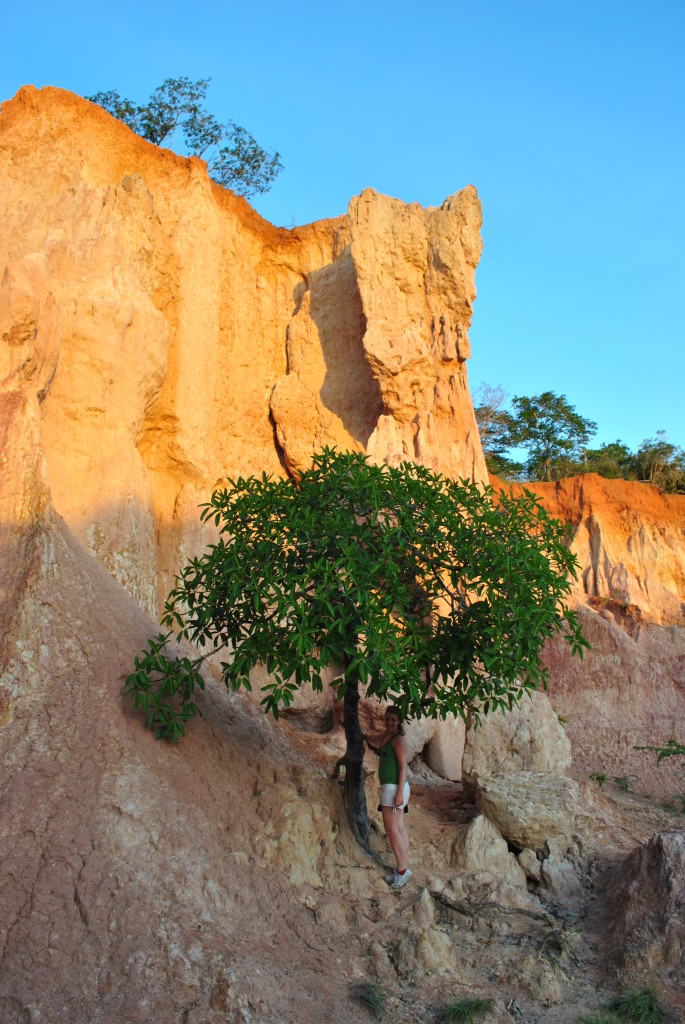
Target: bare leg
398 836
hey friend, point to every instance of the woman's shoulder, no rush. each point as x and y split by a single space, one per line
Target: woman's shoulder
399 741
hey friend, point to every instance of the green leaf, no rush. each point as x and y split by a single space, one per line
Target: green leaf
396 572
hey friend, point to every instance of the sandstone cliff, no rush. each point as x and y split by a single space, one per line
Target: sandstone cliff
629 690
156 335
630 542
191 340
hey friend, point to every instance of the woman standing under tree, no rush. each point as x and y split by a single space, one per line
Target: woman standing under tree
392 775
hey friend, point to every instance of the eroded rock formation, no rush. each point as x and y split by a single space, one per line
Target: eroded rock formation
156 335
197 341
630 541
628 691
647 893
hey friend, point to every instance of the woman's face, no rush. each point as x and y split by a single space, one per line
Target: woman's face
392 722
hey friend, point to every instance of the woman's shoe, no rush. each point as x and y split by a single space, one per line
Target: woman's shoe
399 880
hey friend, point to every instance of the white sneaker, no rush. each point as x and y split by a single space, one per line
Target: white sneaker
400 880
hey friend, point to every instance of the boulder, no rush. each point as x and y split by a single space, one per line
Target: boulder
530 809
444 751
646 899
531 865
484 849
423 947
559 876
528 738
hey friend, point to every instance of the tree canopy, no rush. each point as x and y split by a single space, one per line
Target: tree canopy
548 428
555 439
175 109
426 592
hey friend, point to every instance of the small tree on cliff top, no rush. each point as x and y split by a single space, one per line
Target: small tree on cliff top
422 591
234 158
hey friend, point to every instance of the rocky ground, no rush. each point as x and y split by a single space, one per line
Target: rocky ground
217 880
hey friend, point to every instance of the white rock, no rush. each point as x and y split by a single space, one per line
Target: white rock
528 738
530 864
444 751
530 808
484 849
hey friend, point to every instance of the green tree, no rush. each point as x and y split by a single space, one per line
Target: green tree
234 158
419 590
552 433
661 463
494 426
613 461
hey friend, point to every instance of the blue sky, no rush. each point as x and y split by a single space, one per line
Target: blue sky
569 118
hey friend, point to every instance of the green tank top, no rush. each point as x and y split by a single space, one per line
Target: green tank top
388 767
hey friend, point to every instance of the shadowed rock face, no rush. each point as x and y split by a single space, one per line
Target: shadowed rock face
647 899
627 691
196 341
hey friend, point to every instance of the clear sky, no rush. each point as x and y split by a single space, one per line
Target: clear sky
567 115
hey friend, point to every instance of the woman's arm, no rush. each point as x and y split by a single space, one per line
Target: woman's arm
400 747
378 743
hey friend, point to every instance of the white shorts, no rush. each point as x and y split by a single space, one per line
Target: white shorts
389 792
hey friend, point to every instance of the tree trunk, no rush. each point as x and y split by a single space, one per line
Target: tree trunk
354 796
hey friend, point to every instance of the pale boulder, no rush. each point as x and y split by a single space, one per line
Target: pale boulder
424 947
558 875
530 864
528 738
540 979
444 751
530 809
484 849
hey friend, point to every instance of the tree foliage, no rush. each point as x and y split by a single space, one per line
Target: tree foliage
661 463
671 749
494 423
423 591
555 439
614 461
175 109
546 427
551 432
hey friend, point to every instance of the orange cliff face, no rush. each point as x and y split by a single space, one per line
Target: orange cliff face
193 340
630 541
156 335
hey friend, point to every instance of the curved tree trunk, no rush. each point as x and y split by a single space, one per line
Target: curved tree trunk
354 796
353 786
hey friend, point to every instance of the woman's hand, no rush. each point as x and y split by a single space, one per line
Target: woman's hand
369 744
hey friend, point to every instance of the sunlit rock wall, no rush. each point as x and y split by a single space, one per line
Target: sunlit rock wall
194 340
